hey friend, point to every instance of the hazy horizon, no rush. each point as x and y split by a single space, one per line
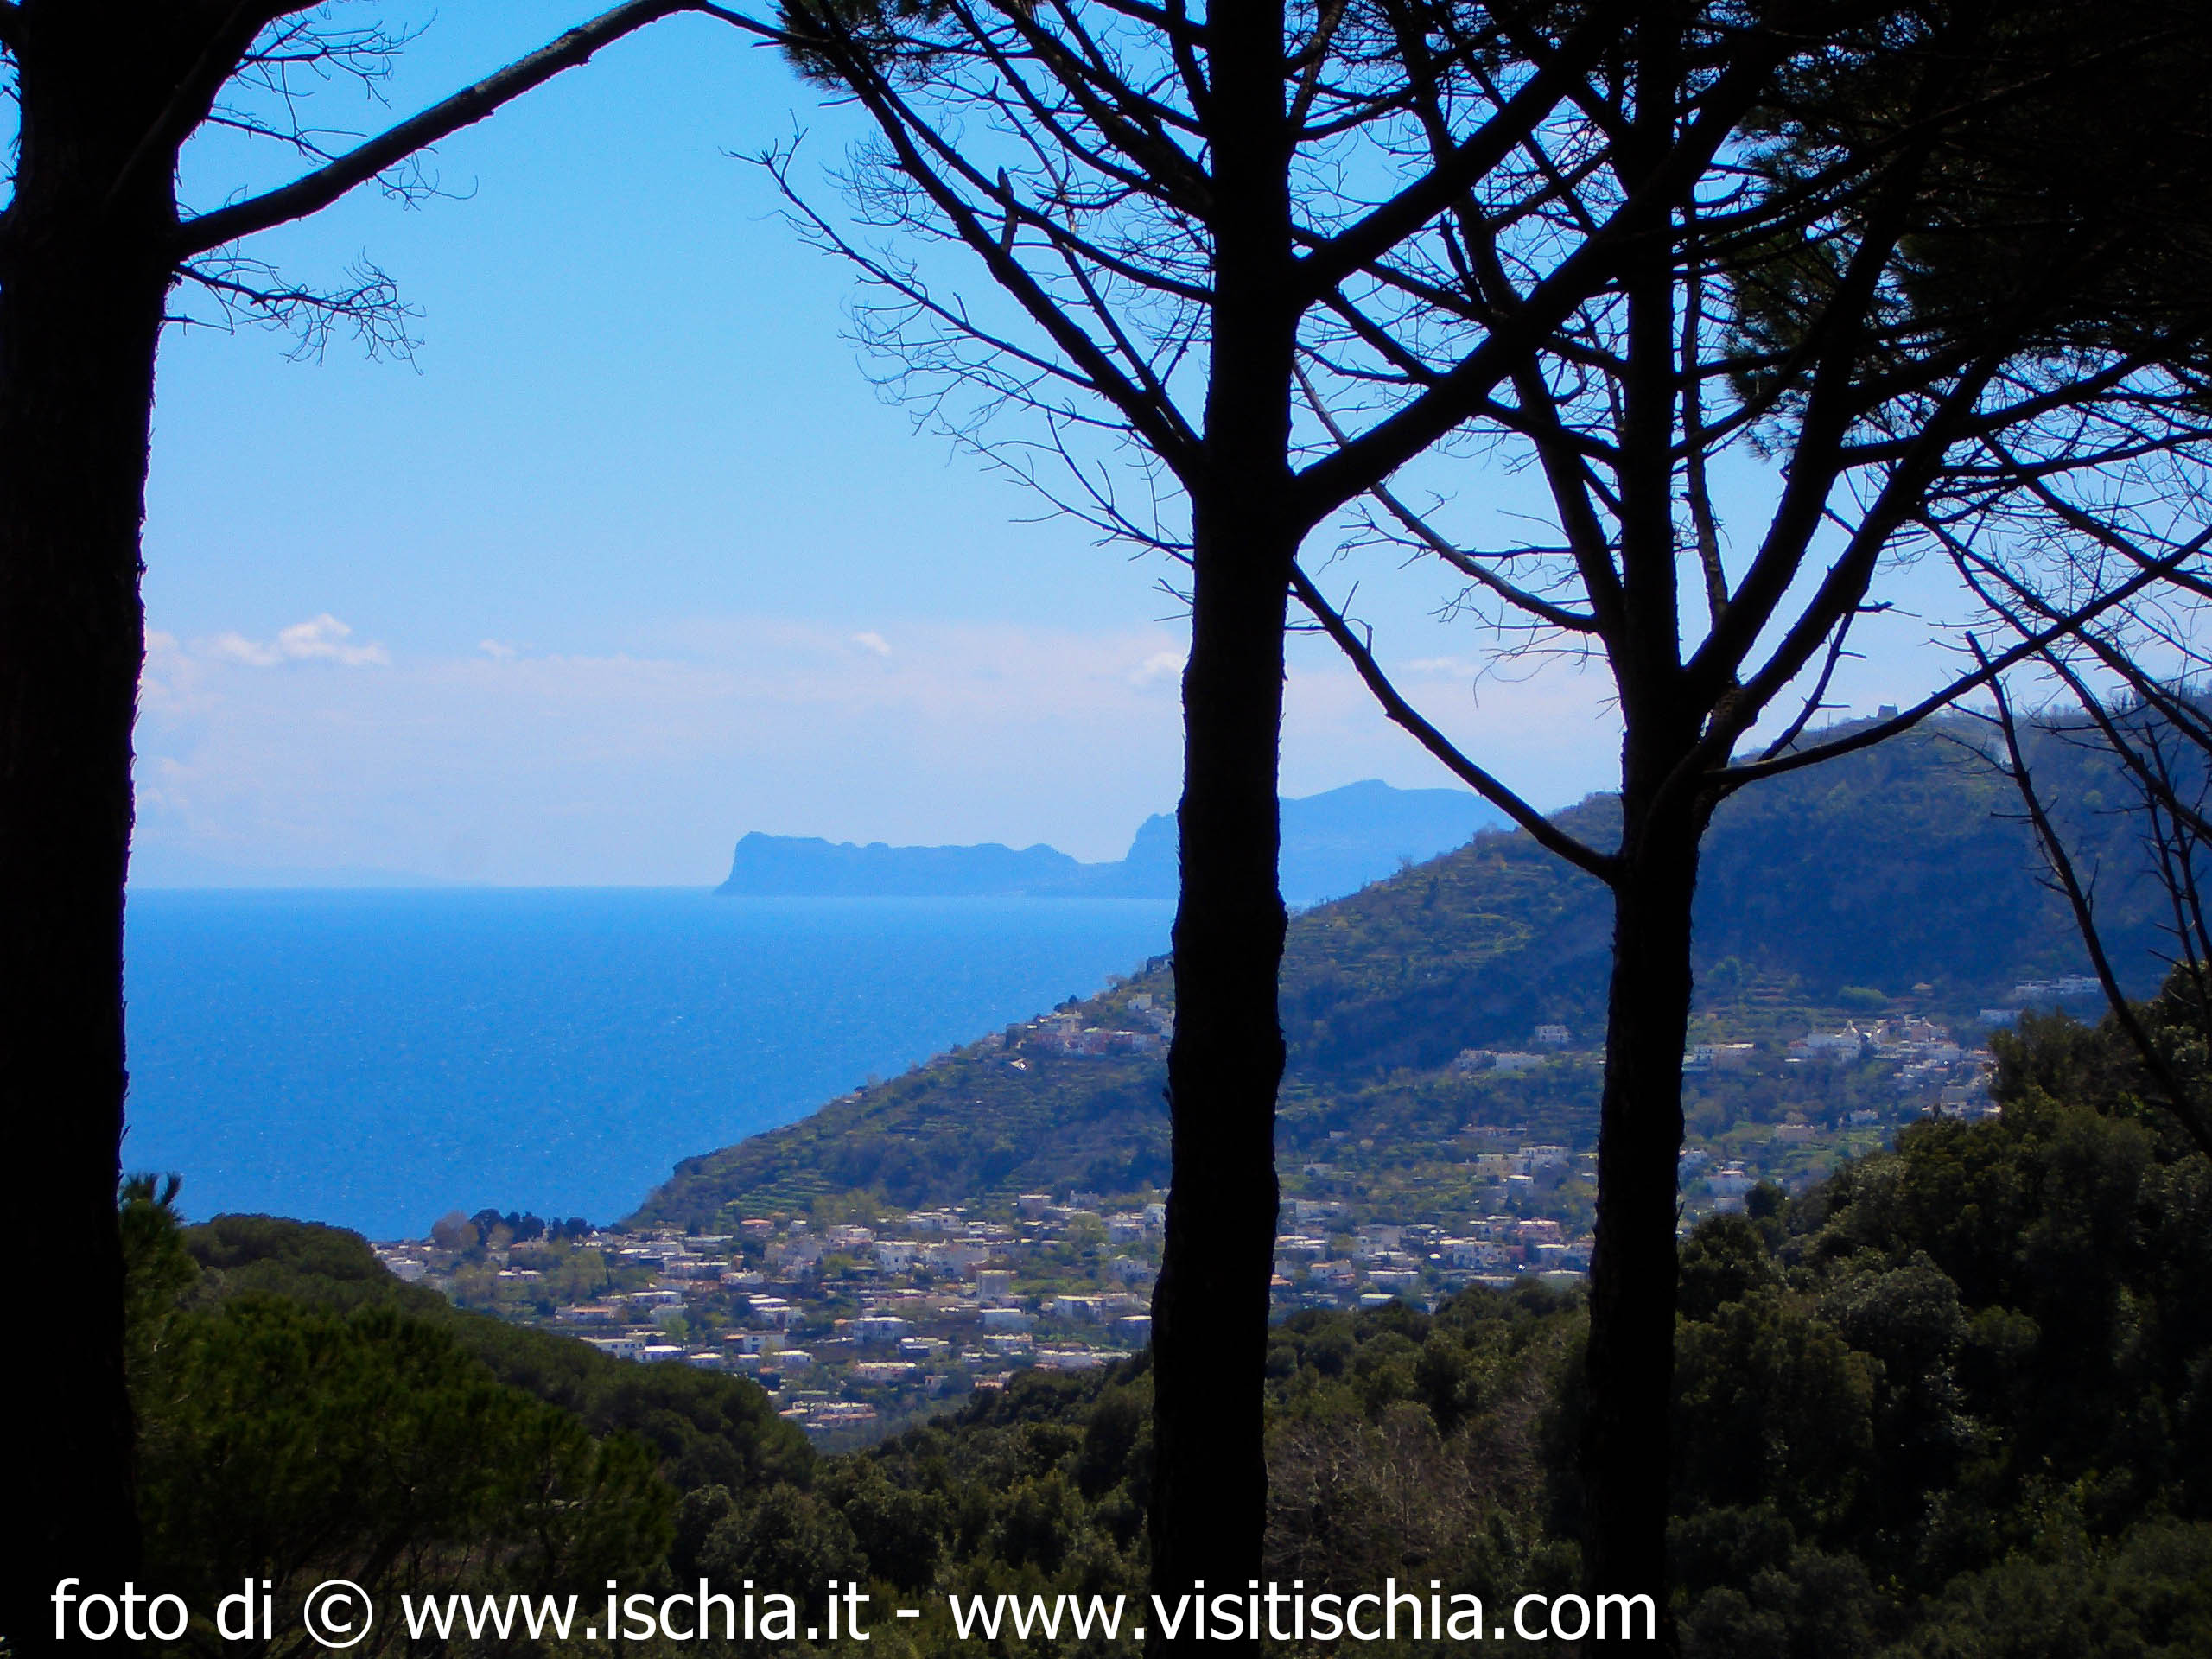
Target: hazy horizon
171 871
633 558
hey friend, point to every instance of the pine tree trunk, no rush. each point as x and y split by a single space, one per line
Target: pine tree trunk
1632 1267
82 292
1209 1311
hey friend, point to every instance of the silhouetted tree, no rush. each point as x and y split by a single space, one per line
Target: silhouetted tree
96 252
1234 249
1870 291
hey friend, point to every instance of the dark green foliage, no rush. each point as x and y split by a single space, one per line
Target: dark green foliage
1725 1261
707 1429
157 1269
1955 1396
1773 1408
1796 1603
786 1540
293 1438
698 1514
824 38
2146 1595
2080 141
1410 1446
898 1529
1048 1468
287 1441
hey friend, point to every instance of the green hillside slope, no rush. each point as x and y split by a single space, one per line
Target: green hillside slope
1900 867
704 1427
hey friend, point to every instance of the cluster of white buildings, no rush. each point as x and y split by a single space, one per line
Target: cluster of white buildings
853 1324
1065 1032
2066 987
849 1324
1544 1042
1381 1263
1718 1057
1912 1041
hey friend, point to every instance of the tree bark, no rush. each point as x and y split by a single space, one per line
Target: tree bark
1633 1261
1209 1311
82 293
1625 1454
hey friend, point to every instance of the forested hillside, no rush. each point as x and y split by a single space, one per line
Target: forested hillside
302 1414
1898 867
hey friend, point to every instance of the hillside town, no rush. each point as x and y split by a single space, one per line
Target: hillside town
851 1325
857 1322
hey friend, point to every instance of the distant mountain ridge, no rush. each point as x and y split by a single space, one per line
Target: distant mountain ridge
1333 843
1899 871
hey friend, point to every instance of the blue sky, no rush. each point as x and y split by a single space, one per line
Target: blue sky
632 558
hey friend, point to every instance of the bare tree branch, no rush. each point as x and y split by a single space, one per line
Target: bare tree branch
2155 1060
1735 776
1547 834
1389 224
316 190
1357 467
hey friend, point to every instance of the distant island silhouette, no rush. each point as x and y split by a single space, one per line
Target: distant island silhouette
1332 844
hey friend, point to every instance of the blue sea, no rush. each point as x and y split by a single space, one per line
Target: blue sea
375 1059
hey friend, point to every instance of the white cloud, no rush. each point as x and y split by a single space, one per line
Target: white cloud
237 648
875 642
320 638
645 763
1160 666
498 649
